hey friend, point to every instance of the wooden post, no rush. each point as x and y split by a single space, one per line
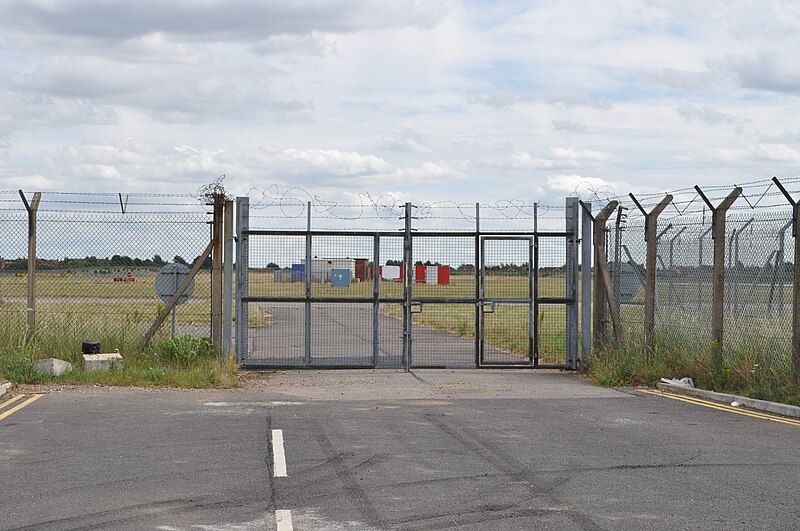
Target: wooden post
651 237
718 279
613 307
216 274
599 316
32 209
227 270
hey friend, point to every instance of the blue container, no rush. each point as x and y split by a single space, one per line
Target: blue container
340 278
298 272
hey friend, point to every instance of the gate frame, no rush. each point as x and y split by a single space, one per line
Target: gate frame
408 301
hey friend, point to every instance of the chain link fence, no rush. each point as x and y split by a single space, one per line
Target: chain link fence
758 278
97 257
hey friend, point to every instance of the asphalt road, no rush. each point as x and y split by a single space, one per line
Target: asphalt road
342 335
388 450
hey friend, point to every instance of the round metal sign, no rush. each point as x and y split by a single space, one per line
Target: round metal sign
169 278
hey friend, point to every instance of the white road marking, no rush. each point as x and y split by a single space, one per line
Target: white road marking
253 404
278 454
283 519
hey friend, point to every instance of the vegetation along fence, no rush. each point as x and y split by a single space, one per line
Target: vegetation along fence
706 273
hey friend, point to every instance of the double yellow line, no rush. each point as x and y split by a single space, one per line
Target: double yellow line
8 412
722 407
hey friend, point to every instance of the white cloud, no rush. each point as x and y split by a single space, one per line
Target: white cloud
704 113
504 99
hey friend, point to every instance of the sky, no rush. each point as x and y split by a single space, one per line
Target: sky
425 100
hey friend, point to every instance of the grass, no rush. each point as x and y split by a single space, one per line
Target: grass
88 284
752 363
185 361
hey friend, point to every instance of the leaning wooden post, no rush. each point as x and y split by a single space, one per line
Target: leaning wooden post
796 288
651 238
173 301
32 209
718 279
600 298
216 274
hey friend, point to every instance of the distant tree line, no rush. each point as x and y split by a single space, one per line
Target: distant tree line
92 262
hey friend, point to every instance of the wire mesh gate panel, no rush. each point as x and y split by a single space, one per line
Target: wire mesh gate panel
400 299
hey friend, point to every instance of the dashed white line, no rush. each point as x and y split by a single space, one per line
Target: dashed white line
283 519
279 470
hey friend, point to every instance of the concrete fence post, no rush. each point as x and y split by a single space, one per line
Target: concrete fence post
32 208
651 238
718 279
796 276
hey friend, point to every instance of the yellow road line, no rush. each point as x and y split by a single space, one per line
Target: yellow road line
721 407
716 405
11 401
16 408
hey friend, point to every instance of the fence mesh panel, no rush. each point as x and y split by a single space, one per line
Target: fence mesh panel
627 253
683 281
96 266
758 284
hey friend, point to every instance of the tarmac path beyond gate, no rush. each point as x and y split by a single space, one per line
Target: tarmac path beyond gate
342 334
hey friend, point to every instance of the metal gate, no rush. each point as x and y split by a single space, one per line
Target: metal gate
404 299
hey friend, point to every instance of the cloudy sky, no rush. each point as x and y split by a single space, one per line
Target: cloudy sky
441 99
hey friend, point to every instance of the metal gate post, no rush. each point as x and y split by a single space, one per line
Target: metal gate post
376 293
309 272
242 265
478 286
407 288
586 283
535 301
571 339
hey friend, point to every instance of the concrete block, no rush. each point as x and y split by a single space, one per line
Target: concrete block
102 362
4 387
53 366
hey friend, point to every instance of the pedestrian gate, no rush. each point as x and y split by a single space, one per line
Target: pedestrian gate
411 299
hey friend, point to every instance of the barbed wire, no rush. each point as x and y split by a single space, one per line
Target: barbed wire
209 192
293 202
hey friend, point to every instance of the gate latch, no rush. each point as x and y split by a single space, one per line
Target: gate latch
418 305
489 305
